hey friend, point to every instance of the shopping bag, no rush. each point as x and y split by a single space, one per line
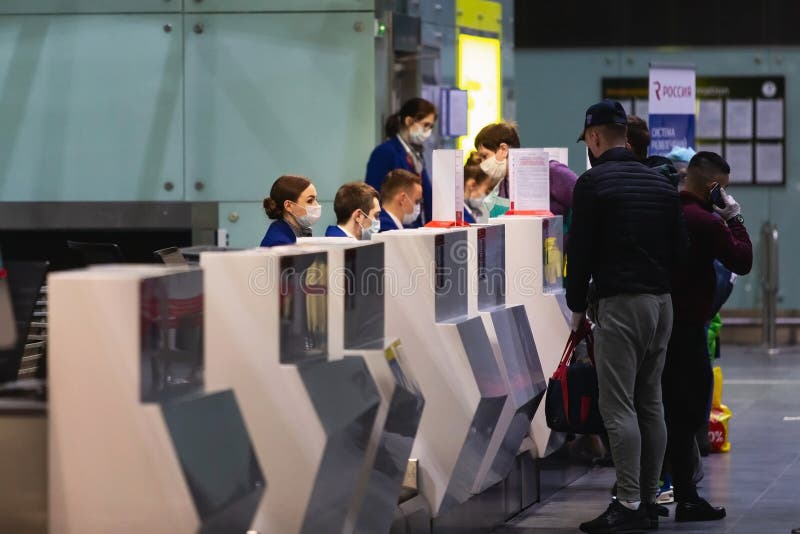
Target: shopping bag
720 418
572 393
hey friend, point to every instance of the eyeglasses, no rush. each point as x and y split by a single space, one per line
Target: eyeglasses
427 126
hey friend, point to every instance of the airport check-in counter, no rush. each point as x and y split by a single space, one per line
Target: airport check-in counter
511 338
356 312
310 417
449 353
534 266
138 441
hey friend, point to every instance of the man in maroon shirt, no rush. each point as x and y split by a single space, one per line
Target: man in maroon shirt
714 233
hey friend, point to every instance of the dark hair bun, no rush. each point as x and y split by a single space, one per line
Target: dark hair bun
272 209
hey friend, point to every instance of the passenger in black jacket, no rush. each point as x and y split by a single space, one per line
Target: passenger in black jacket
627 234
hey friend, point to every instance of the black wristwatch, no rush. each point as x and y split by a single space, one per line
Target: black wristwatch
738 219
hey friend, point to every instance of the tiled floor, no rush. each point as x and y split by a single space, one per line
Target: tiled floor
758 481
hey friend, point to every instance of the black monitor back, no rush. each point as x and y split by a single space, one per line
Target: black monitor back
25 280
171 256
95 253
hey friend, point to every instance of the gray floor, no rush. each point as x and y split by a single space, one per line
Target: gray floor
758 481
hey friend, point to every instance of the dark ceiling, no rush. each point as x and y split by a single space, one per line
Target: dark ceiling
574 23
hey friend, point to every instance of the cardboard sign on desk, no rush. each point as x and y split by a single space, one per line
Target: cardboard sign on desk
529 181
448 188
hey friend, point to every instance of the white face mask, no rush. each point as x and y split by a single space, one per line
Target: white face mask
313 213
372 229
495 170
409 218
476 202
419 135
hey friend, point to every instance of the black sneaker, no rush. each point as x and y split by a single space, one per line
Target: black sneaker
654 511
698 510
618 519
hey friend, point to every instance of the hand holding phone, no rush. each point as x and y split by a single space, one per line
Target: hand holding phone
716 197
725 205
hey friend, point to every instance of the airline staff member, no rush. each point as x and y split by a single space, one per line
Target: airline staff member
357 210
406 131
492 144
402 194
476 187
292 203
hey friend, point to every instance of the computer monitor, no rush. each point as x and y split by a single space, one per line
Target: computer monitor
171 319
363 297
304 308
24 280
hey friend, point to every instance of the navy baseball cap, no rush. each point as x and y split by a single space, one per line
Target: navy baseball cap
604 112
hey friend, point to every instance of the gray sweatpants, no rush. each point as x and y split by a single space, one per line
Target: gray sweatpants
631 337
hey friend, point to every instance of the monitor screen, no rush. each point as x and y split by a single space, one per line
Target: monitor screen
304 307
363 297
171 319
451 283
491 267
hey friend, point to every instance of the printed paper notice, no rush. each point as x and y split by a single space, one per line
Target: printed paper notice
559 154
769 163
529 176
709 119
769 118
739 118
740 158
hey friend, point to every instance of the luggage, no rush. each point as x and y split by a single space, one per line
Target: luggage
572 393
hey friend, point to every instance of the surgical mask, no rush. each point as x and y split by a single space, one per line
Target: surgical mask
372 229
476 202
313 213
409 218
495 170
418 136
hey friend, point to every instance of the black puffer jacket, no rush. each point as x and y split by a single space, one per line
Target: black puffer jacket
627 231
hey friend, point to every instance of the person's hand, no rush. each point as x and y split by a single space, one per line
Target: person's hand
577 320
731 209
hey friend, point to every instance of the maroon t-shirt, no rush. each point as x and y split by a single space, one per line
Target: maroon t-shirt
710 238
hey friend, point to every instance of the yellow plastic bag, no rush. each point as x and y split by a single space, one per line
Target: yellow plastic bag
720 417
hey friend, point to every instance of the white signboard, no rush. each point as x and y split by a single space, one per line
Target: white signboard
448 185
672 91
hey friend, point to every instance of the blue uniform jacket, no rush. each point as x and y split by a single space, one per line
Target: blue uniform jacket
468 218
391 155
387 223
279 233
335 231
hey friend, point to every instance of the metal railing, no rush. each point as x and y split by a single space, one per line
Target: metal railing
769 285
